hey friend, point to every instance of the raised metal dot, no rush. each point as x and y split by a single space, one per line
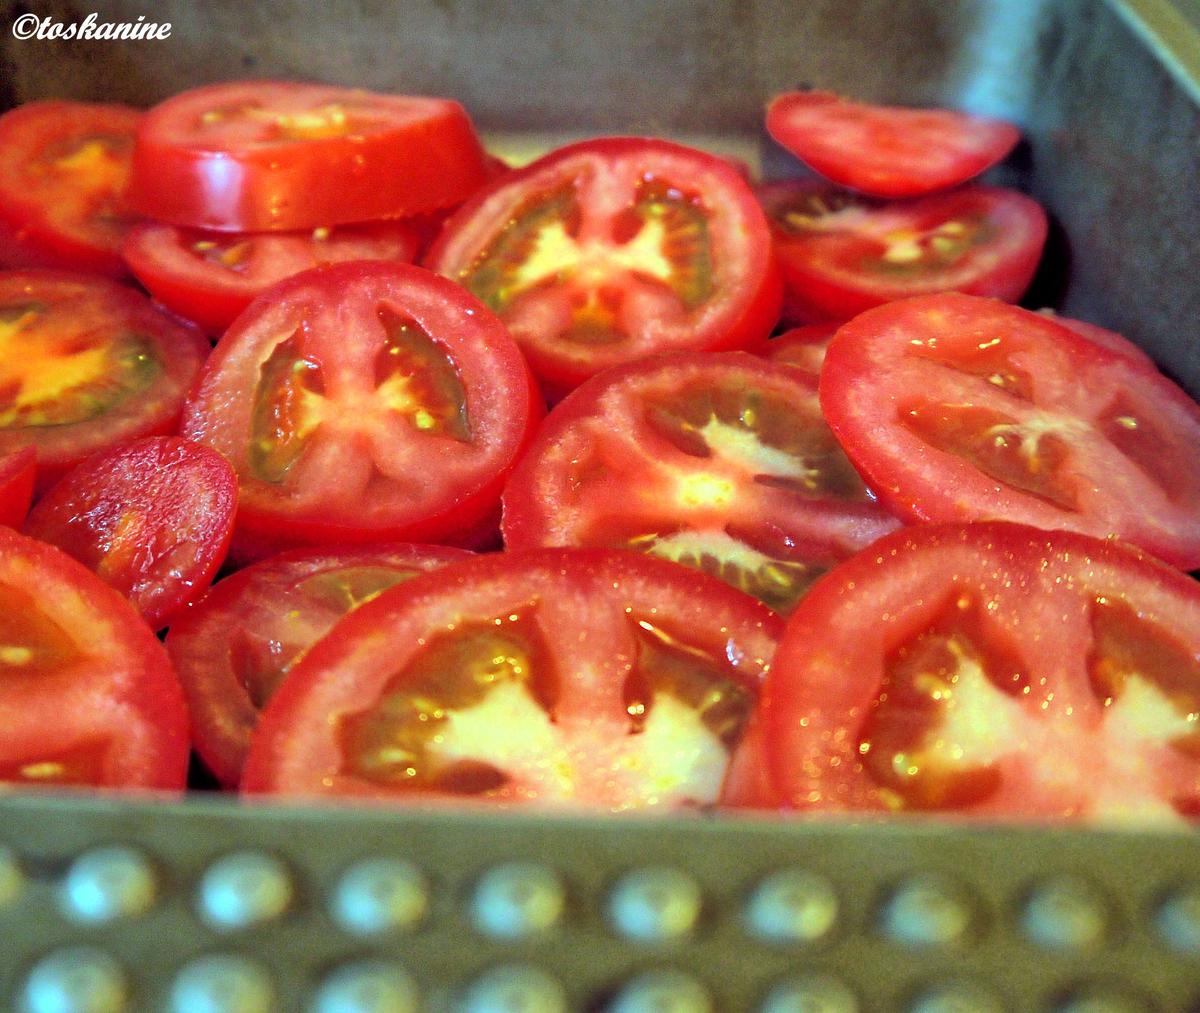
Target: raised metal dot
108 883
958 997
243 889
371 986
655 904
223 983
78 979
12 877
514 988
811 994
1178 921
517 899
792 906
1101 998
1065 913
662 991
380 895
926 911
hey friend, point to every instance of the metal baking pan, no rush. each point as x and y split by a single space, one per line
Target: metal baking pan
732 913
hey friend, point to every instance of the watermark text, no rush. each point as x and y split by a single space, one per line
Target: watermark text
30 26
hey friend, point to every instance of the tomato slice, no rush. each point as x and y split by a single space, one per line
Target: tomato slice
367 401
210 277
1102 336
606 251
64 167
86 364
235 646
802 348
887 151
561 678
88 695
994 670
842 253
152 518
957 408
718 461
17 472
253 156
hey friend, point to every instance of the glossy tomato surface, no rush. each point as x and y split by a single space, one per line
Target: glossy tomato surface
887 151
802 347
957 408
993 670
17 472
718 460
609 250
569 678
153 518
366 401
88 695
842 253
251 156
1112 340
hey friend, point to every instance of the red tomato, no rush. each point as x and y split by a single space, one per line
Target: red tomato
210 277
64 167
957 408
86 364
17 471
88 695
1105 338
251 156
152 518
996 670
802 348
718 461
236 645
887 151
609 250
563 678
366 401
841 253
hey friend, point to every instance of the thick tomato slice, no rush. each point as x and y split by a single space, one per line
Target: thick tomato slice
609 250
956 408
887 151
252 156
367 401
17 472
64 167
994 670
86 364
236 645
841 253
563 678
802 348
152 518
210 277
715 460
87 693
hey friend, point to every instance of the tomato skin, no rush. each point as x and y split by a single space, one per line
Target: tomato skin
1106 338
410 156
17 472
802 347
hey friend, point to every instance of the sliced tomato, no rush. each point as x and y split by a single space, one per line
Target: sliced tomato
252 156
561 678
210 277
718 461
17 472
1102 336
960 408
842 253
86 364
153 518
64 168
802 348
238 643
887 151
606 251
994 670
367 401
87 695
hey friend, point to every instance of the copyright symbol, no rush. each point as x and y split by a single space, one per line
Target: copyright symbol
25 27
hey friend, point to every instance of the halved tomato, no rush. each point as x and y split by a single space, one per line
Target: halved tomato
1112 340
87 693
958 408
802 348
606 251
251 156
17 472
842 253
994 670
563 678
235 646
64 168
887 151
86 364
364 402
719 461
